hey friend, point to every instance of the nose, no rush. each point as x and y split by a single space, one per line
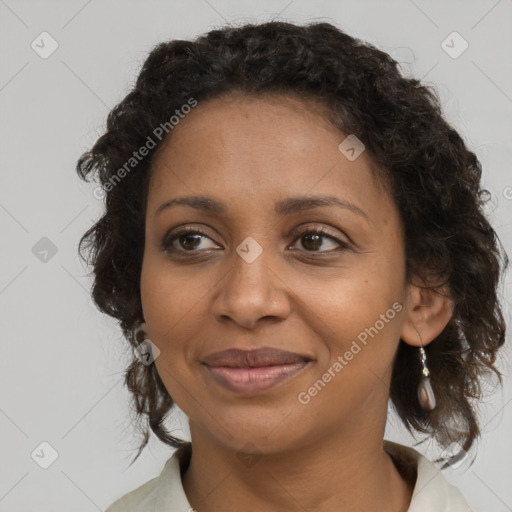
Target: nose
252 292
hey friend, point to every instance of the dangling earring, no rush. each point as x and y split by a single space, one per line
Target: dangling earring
146 351
426 395
136 333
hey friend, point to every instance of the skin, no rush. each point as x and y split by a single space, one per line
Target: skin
250 153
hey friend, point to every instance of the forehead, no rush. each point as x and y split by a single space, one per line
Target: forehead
250 128
271 146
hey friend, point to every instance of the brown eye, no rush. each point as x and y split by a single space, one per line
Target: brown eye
313 240
186 240
189 241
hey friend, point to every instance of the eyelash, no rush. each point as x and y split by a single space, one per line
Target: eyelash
167 244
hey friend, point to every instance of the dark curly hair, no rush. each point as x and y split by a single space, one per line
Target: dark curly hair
423 162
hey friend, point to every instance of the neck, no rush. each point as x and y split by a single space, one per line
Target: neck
349 471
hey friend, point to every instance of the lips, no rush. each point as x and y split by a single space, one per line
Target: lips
265 356
254 371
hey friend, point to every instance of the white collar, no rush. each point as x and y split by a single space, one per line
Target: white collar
432 492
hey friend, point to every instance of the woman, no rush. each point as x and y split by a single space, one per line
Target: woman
294 235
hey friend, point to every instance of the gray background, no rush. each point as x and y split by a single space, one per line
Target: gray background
62 366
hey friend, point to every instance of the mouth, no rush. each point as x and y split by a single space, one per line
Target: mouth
249 372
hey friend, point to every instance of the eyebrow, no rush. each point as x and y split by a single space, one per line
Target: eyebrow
282 208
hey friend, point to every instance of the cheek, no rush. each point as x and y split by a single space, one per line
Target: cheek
169 294
358 315
171 307
364 332
359 337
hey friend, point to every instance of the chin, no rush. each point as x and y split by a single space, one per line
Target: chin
255 433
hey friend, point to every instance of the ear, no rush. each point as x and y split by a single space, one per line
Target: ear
428 311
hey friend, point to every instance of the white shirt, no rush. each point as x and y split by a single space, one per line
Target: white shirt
164 493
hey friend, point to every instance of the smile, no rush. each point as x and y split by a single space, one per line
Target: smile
251 380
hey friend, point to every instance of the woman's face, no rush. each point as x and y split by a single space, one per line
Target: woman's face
253 275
